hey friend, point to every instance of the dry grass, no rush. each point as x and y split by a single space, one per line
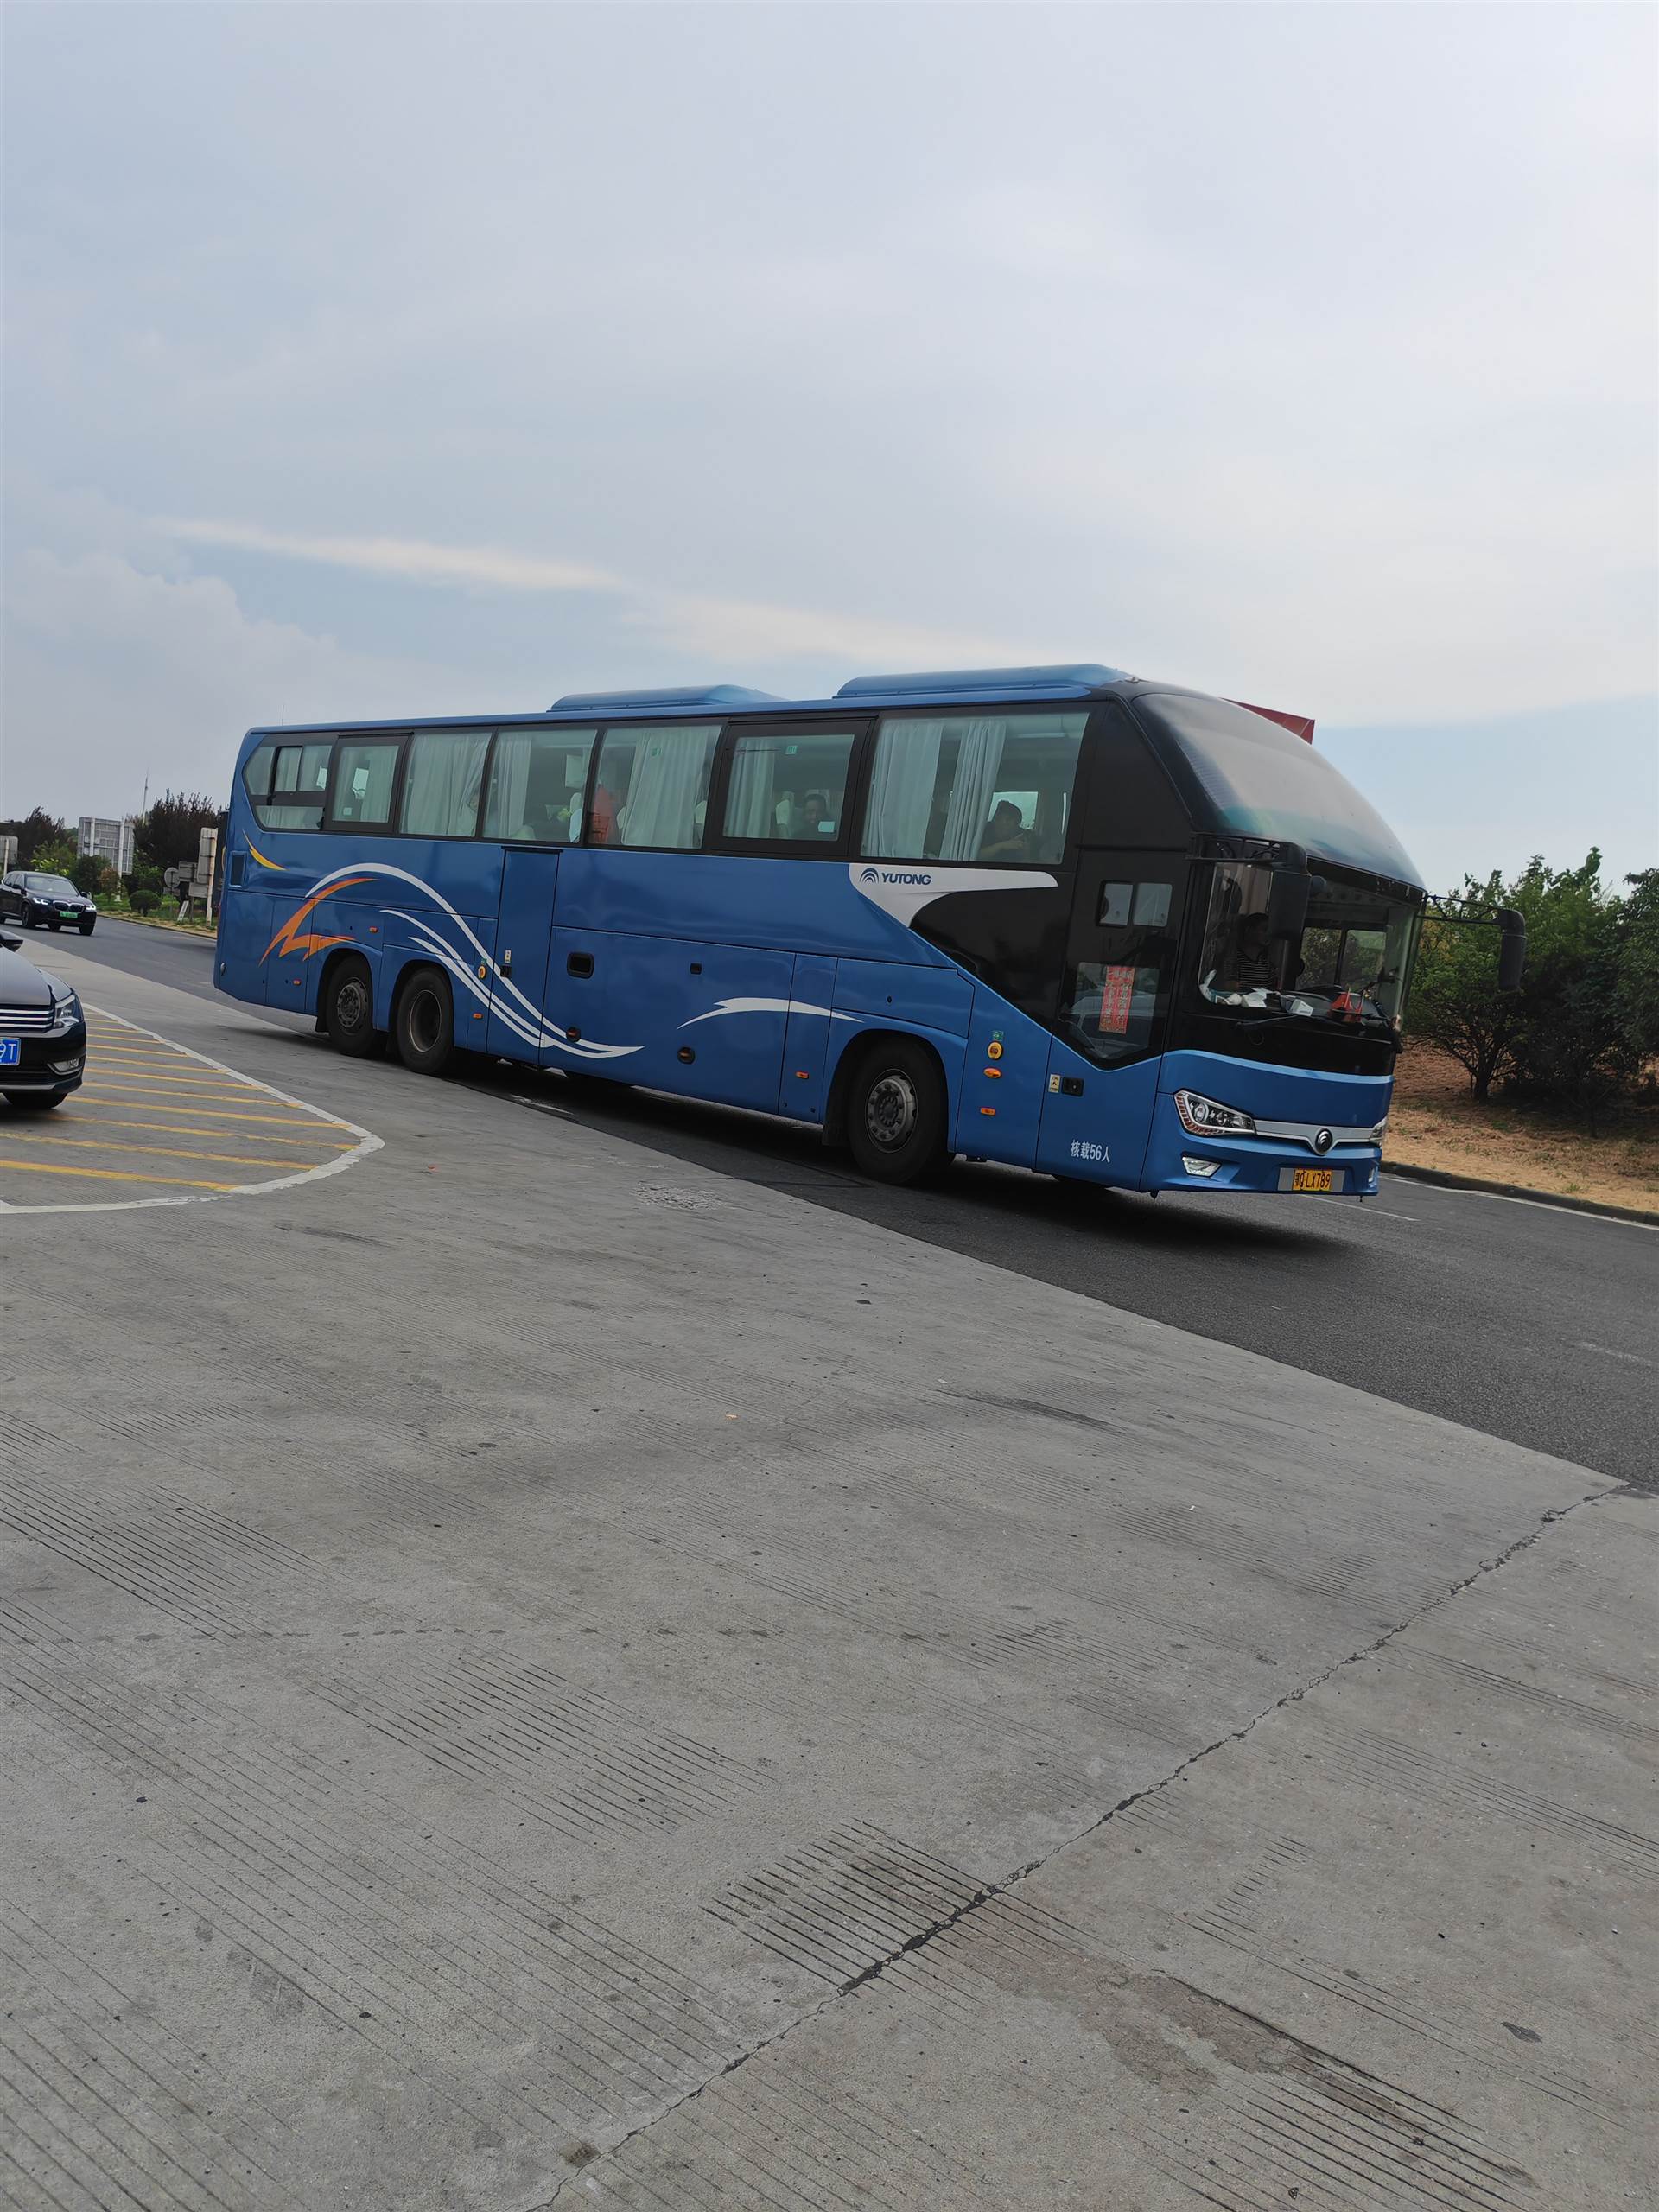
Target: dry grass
1436 1121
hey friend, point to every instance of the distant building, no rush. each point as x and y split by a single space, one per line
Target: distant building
110 840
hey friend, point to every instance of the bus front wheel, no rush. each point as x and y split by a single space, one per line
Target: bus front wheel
425 1025
896 1112
348 1008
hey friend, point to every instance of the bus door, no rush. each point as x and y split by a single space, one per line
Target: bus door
1114 1007
530 875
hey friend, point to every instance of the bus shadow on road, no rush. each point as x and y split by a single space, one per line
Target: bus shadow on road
974 1204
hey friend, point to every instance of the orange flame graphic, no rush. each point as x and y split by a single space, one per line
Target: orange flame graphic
289 938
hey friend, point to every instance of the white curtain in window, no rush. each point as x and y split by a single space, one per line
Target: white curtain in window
750 805
978 758
509 782
901 789
670 774
442 797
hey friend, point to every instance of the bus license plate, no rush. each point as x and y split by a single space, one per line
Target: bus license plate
11 1052
1311 1179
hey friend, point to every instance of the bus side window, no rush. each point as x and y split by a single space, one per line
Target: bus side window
446 768
652 786
789 787
299 777
986 786
536 780
362 782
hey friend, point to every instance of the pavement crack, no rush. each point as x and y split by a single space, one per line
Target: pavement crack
988 1892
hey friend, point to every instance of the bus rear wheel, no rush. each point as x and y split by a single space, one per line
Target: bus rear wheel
896 1112
348 1008
425 1024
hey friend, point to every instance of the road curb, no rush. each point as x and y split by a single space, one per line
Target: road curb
1447 1181
178 929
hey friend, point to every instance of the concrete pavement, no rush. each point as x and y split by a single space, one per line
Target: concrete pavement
533 1670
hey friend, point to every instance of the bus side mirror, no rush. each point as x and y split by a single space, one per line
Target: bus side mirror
1512 953
1289 895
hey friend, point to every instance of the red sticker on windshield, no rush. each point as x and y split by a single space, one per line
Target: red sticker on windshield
1115 999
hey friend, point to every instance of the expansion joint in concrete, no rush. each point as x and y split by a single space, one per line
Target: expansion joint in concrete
989 1891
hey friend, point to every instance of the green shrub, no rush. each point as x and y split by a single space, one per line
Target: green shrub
1573 1036
145 901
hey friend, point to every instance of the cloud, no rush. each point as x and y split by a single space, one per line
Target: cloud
115 673
416 560
707 626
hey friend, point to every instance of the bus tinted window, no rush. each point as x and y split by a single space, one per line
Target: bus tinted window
536 780
973 786
362 782
789 789
299 777
255 774
652 787
440 787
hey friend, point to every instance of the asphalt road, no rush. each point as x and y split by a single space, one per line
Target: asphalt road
1523 1322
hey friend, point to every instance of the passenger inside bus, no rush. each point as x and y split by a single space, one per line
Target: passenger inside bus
1004 836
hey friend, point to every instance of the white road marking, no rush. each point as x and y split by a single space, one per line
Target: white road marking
1612 1352
366 1142
1507 1198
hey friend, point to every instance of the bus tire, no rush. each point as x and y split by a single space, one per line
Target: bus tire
424 1025
896 1112
348 1008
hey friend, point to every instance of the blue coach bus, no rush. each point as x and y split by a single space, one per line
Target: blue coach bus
1089 924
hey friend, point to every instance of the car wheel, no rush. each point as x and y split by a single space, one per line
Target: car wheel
34 1102
425 1023
895 1112
348 1008
87 928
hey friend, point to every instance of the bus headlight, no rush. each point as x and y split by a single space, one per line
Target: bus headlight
1207 1117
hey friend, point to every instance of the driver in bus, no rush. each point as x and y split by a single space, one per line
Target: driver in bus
1252 976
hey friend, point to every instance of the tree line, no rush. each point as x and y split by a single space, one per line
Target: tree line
167 835
1582 1032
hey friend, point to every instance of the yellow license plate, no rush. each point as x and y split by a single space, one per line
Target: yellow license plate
1311 1179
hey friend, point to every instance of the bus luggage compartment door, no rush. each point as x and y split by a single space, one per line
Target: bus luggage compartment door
530 876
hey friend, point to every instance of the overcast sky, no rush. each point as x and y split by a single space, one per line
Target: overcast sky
386 360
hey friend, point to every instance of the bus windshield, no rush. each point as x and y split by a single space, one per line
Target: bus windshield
1352 965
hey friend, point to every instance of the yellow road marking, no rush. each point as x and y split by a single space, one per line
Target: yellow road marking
159 1151
188 1086
143 1067
185 1129
116 1175
213 1113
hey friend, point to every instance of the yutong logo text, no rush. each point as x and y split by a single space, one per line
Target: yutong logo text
893 875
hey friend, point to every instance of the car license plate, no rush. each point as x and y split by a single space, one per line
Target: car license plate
1311 1179
11 1052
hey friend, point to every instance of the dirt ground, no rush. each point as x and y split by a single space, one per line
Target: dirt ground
1436 1121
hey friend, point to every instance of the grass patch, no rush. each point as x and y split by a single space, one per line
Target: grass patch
1436 1121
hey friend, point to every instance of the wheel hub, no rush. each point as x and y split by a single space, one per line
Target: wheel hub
351 1004
425 1021
891 1110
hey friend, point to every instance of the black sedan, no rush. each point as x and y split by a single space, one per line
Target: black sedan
52 901
42 1032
